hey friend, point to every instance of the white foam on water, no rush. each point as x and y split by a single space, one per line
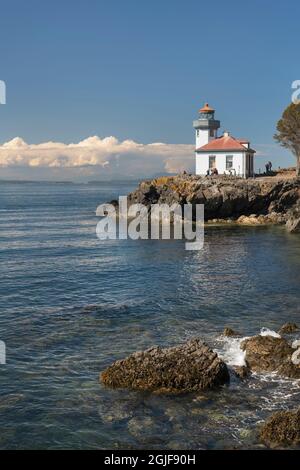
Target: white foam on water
232 353
296 344
267 332
273 391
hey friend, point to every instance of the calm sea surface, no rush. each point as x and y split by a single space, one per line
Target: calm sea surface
71 304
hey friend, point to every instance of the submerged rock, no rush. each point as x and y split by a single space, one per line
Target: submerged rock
116 410
270 354
148 426
282 428
288 328
242 372
189 367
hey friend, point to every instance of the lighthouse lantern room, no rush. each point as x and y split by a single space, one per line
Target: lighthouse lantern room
206 126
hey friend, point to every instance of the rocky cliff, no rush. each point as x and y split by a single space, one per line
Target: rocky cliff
269 200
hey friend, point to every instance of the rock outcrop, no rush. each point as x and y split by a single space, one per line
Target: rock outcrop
293 218
242 372
270 354
293 225
288 328
230 332
262 200
282 429
189 367
268 219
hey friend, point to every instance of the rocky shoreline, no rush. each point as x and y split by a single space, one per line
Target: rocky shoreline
259 201
193 366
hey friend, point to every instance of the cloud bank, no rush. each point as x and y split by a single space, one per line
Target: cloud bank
95 157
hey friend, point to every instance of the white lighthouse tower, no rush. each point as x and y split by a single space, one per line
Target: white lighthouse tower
206 126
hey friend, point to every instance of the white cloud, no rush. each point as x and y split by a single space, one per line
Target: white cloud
109 156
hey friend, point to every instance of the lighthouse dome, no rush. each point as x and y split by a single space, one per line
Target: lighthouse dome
206 112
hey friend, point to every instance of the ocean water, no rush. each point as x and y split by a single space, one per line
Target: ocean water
72 304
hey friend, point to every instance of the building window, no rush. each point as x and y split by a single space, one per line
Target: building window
229 162
249 165
212 161
197 132
211 132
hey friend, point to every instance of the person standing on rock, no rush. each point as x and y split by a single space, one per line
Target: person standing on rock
267 167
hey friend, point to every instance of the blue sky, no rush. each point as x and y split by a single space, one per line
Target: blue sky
140 70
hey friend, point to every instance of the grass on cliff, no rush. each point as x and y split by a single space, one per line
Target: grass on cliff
175 183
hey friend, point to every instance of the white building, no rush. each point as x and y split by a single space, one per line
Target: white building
220 155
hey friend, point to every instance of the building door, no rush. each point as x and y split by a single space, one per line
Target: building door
247 172
212 161
249 167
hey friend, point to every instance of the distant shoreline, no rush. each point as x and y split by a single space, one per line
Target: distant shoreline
135 181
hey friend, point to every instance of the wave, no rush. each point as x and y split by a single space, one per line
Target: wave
267 332
231 351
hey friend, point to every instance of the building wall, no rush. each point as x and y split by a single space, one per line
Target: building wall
202 162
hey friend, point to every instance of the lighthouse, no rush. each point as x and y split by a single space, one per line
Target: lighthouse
225 155
206 126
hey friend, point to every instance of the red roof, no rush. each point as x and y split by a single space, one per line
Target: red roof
226 142
206 109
